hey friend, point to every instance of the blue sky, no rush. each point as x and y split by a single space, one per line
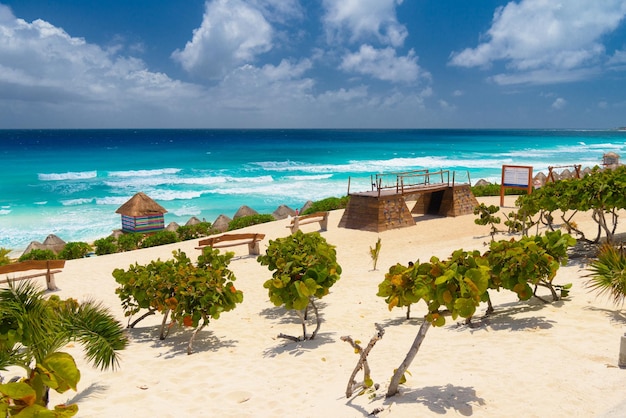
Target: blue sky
312 64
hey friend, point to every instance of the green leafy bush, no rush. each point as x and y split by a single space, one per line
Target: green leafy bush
187 232
190 294
494 190
328 204
249 220
106 245
129 241
159 238
37 254
74 250
304 268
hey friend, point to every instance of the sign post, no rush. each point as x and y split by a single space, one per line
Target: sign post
515 177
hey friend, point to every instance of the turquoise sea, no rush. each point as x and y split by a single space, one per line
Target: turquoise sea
70 182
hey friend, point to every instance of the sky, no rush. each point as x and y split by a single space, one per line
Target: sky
313 64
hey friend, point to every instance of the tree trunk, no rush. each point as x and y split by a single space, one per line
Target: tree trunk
399 373
162 334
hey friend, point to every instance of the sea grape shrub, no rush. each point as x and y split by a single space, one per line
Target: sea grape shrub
486 216
37 254
328 204
456 285
304 268
105 245
74 250
187 232
602 191
249 220
516 265
190 294
159 238
129 241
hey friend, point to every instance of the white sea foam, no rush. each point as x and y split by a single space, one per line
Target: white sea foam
79 175
5 211
312 177
144 173
43 202
76 202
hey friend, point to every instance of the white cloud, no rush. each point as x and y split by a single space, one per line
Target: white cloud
383 64
534 37
559 103
232 34
363 20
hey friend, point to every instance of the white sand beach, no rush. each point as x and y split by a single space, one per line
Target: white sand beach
528 359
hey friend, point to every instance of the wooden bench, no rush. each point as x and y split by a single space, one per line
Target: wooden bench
47 265
231 240
321 217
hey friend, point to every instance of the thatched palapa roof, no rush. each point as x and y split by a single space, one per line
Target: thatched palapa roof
140 205
283 212
245 211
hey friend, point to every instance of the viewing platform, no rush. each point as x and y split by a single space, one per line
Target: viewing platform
385 206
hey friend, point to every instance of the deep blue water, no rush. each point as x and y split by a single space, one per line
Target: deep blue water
70 182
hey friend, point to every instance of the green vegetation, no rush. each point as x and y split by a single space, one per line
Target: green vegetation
37 254
603 192
187 232
375 252
159 238
608 273
494 190
129 241
458 285
187 293
328 204
32 331
74 250
4 256
105 245
249 220
304 268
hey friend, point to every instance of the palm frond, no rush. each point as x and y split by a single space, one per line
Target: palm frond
100 334
24 314
608 273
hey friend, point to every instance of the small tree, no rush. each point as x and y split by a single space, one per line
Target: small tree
189 294
304 268
74 250
4 256
487 217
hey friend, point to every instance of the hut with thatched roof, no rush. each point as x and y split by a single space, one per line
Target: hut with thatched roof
52 243
142 214
245 211
283 212
221 223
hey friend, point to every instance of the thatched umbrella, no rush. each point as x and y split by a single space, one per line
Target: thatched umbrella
566 174
193 221
52 243
283 211
245 211
482 182
306 206
221 223
172 227
539 179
